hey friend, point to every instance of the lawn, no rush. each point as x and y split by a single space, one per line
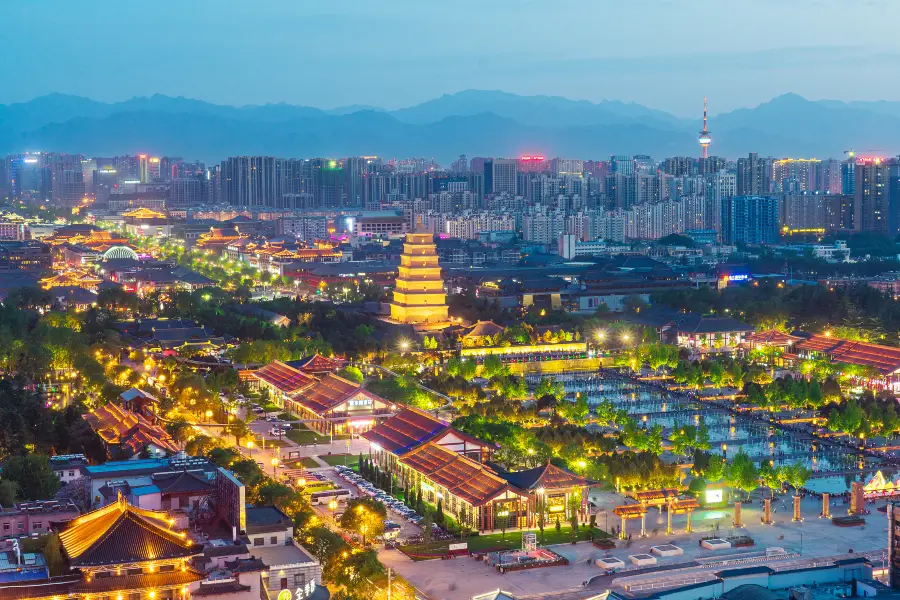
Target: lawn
340 459
307 462
274 443
512 541
302 436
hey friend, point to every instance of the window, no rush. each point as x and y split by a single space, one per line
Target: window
259 541
20 526
273 540
37 526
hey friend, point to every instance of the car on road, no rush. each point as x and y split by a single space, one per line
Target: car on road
277 432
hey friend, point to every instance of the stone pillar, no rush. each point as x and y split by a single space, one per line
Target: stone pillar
857 500
622 534
643 522
669 520
797 518
688 528
767 511
737 515
826 506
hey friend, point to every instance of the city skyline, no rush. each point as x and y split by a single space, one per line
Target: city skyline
679 52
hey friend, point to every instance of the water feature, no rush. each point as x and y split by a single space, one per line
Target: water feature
728 431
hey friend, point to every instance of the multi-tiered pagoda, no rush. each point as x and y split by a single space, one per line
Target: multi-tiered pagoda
419 297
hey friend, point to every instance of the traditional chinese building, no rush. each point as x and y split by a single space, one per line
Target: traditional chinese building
72 278
419 297
339 405
451 466
115 552
146 222
129 433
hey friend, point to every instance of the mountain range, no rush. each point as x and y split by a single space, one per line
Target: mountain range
475 122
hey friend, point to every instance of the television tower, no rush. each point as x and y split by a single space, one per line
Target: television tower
705 138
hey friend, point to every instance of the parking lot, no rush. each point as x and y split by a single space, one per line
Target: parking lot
406 519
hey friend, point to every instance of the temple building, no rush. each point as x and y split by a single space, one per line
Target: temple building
117 551
453 467
419 297
146 222
342 406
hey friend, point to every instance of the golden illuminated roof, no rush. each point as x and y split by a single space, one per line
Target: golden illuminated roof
73 277
144 213
123 534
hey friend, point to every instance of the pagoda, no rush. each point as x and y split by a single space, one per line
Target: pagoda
419 297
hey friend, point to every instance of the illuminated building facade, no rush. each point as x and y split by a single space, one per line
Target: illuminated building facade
450 466
419 295
119 551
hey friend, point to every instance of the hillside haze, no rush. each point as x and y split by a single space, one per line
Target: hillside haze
489 123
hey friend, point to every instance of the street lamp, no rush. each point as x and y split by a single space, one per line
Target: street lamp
333 506
208 415
626 337
250 447
274 464
724 451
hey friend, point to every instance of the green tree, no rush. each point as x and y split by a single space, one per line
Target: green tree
741 474
364 516
796 475
8 491
493 367
33 476
716 469
352 373
501 521
52 551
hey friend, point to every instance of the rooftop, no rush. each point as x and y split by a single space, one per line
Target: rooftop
122 534
278 556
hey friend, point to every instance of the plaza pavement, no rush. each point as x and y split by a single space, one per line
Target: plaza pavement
462 578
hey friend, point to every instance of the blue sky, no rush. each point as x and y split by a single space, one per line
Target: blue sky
666 54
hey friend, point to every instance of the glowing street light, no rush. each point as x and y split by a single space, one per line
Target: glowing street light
332 504
600 334
626 337
274 462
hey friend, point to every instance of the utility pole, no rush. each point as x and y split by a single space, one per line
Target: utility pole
389 584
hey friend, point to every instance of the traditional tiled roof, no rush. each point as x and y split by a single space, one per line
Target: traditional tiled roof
662 494
225 587
317 364
461 476
44 588
329 392
131 430
547 476
404 431
183 482
283 377
483 329
772 337
698 324
122 534
884 359
143 581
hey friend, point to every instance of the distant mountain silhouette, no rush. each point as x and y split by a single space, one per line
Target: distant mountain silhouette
488 123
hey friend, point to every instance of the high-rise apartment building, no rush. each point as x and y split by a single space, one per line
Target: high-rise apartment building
872 205
67 179
500 175
143 168
751 220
